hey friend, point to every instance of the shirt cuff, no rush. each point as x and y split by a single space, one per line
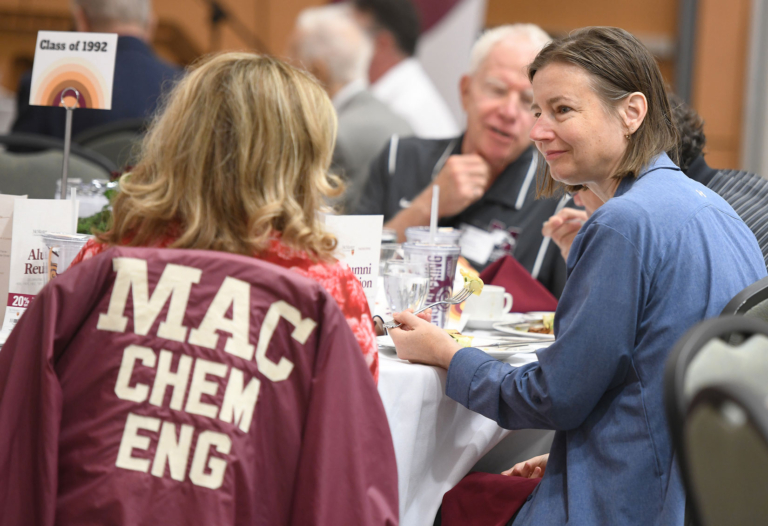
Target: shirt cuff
461 371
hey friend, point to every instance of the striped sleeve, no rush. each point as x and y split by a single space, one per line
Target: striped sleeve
747 193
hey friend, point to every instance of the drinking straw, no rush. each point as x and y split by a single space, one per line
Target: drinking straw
433 215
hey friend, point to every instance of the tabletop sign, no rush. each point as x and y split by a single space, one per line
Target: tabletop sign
31 218
6 229
83 61
359 246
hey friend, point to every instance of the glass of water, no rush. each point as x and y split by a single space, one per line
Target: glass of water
405 284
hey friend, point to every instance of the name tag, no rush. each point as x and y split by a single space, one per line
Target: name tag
477 244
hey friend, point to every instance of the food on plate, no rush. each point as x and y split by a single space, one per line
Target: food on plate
472 283
546 326
464 341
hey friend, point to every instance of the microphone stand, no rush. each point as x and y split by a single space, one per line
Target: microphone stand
217 15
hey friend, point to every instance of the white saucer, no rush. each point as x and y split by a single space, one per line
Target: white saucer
511 317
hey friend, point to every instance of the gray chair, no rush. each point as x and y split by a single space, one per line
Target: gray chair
117 141
725 440
752 301
33 168
728 349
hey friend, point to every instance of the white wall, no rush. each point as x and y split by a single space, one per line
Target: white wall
444 50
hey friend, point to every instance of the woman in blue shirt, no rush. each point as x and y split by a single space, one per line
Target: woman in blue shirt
661 254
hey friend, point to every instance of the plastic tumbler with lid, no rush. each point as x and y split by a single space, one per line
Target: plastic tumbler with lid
441 261
446 235
62 249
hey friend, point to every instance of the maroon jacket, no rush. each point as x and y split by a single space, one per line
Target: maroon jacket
243 399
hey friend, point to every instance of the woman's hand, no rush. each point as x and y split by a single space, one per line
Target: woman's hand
530 469
563 227
419 341
378 322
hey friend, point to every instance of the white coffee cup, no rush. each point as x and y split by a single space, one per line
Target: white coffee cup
492 304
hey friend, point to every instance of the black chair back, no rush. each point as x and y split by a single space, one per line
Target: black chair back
725 349
117 141
31 165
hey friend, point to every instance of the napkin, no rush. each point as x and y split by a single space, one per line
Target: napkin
528 294
485 499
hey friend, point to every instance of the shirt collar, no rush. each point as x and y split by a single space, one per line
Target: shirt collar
661 161
508 185
700 171
347 93
404 74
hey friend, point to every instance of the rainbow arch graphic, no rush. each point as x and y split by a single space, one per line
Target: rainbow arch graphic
71 72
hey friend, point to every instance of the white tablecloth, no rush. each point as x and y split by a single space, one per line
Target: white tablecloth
437 440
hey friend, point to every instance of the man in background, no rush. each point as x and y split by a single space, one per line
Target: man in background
333 47
487 176
139 73
395 75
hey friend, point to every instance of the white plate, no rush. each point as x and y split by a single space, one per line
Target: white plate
513 328
511 317
387 346
385 342
506 353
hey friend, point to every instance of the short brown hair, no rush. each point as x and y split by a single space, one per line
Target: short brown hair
619 66
690 126
239 153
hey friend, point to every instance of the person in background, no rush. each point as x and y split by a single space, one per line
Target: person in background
487 175
238 162
660 255
396 76
746 192
333 47
140 75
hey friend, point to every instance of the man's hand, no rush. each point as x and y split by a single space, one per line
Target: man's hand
462 181
563 227
531 469
419 341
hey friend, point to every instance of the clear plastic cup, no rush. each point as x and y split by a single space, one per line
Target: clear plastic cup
388 235
389 252
62 249
405 284
445 235
441 261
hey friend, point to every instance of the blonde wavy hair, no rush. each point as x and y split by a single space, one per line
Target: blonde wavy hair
240 152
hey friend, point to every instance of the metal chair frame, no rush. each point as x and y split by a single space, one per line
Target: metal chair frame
748 298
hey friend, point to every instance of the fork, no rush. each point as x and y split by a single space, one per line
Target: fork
457 298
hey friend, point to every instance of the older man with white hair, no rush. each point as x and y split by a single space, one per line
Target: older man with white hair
487 175
332 46
139 74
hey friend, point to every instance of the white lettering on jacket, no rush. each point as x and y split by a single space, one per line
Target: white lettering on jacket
195 384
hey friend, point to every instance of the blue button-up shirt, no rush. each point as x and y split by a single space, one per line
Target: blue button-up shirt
660 256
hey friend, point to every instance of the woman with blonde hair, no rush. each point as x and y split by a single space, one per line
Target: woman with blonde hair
237 161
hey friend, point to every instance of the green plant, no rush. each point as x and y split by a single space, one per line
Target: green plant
100 221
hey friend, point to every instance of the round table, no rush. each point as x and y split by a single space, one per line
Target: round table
438 441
